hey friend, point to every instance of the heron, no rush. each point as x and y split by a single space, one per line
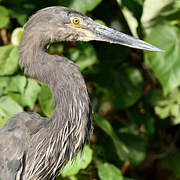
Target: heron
33 147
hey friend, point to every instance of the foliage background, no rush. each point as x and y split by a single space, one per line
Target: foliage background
135 95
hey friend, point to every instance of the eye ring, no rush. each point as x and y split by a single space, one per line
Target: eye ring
76 21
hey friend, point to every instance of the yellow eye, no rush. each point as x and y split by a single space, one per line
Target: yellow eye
76 21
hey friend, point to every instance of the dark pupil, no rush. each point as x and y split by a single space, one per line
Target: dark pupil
76 21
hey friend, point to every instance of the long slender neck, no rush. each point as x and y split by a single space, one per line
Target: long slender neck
70 123
61 75
70 96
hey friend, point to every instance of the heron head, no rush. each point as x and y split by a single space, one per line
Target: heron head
64 24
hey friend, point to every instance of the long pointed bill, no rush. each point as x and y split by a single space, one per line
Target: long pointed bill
103 33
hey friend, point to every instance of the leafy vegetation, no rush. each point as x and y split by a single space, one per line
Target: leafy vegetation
135 95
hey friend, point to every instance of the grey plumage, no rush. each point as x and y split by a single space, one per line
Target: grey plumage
33 147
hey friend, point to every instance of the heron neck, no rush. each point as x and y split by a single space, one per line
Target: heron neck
62 76
70 123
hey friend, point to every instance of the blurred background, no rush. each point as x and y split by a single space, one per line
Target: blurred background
135 95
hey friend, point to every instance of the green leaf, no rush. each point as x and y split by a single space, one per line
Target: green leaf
108 171
16 84
8 60
15 96
4 81
131 20
8 108
166 65
166 106
13 86
121 149
151 9
16 36
134 6
127 86
4 17
87 5
30 95
81 162
123 85
136 145
46 100
84 55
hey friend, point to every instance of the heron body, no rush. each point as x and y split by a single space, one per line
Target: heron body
34 147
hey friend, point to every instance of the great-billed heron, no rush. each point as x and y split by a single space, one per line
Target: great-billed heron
37 148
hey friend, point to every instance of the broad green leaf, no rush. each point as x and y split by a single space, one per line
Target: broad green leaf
15 96
8 60
87 5
166 65
16 36
8 108
127 86
4 17
81 162
30 94
16 84
78 5
123 86
13 84
83 55
136 145
46 100
121 149
4 11
108 171
4 81
151 9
